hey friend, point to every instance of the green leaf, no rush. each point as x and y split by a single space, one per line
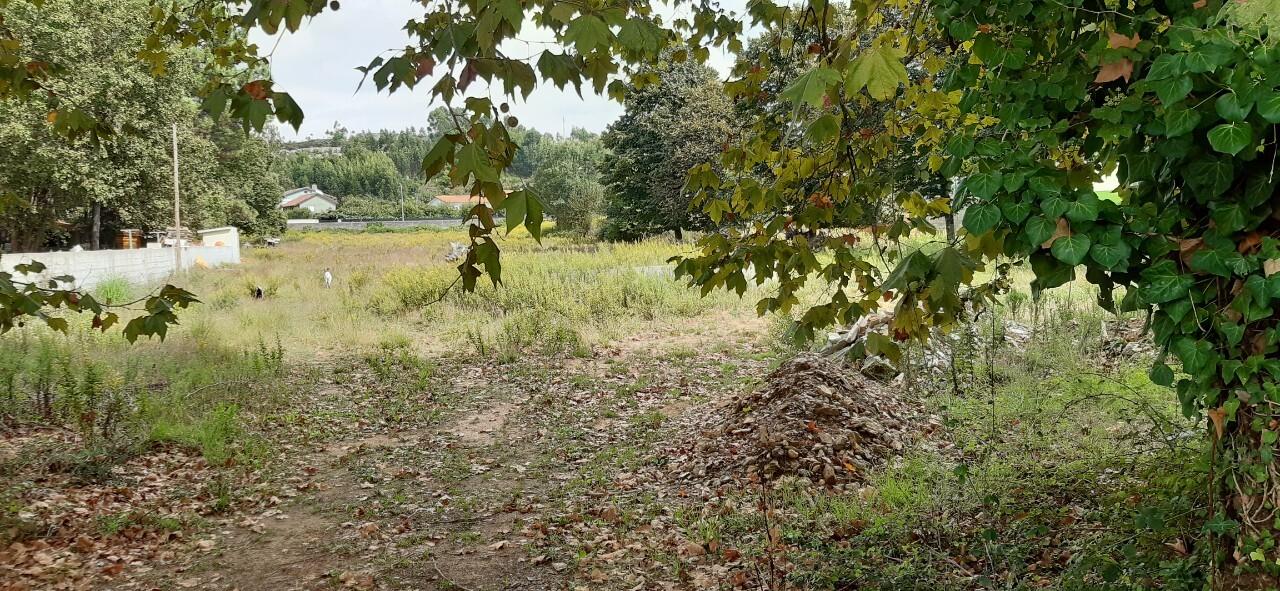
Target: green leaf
1015 211
1162 282
1180 121
1071 249
1084 209
514 208
1054 206
823 129
1221 525
1269 107
640 36
1230 138
1211 175
441 155
810 87
984 184
1230 108
1162 375
1172 90
533 215
880 71
1196 355
1211 260
1228 218
471 160
1165 66
1050 272
586 33
1039 229
1110 255
215 103
978 219
878 344
560 69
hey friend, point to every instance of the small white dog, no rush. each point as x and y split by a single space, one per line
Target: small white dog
328 278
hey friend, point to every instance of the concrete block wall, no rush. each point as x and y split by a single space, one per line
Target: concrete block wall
141 266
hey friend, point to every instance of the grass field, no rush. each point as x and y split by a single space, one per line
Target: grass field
392 433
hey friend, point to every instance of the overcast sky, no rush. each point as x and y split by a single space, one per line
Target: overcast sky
317 64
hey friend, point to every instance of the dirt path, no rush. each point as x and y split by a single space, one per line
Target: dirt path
418 508
476 477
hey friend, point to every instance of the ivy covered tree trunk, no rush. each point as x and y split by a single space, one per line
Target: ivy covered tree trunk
96 230
1247 494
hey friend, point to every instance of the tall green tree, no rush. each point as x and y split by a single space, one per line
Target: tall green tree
65 188
681 120
567 179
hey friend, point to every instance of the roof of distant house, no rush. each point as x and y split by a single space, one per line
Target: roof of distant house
296 197
461 199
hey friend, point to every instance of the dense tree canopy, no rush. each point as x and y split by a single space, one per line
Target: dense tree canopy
51 183
566 174
668 127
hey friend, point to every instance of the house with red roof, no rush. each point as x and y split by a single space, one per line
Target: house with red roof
310 198
458 202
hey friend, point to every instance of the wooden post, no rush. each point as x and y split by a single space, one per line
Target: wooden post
177 209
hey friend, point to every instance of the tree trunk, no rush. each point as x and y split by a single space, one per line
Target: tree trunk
950 220
96 232
679 233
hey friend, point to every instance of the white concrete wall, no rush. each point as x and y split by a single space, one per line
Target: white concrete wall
142 266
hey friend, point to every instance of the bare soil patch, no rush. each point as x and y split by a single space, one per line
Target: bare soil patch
482 427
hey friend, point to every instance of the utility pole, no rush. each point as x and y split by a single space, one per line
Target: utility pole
402 201
177 209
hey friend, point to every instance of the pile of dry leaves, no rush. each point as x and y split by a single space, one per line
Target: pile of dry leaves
73 531
810 419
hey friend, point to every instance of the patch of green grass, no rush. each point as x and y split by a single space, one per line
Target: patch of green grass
114 291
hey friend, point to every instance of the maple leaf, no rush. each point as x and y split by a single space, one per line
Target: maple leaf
256 89
1115 70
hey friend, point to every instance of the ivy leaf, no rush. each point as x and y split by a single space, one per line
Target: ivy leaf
1210 260
1071 249
1229 218
1214 176
1230 138
1221 525
1162 282
880 71
1165 66
1110 255
810 87
1269 107
980 218
1196 355
1162 375
1180 121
